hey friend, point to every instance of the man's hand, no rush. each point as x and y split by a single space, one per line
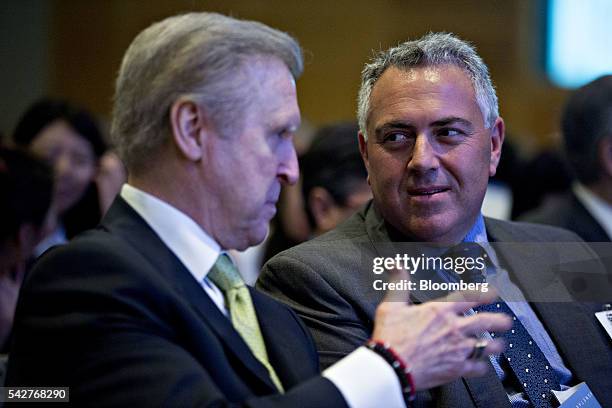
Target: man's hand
434 338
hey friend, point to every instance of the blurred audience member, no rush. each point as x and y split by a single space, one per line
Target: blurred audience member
543 175
521 184
110 177
332 186
69 139
499 197
587 134
334 178
26 187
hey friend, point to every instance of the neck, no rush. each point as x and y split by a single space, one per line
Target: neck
443 240
176 188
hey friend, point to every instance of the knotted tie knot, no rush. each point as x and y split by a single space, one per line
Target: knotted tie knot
225 275
474 251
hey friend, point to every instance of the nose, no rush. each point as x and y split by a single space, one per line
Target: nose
288 168
423 158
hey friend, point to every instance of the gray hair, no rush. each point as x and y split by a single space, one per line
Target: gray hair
434 49
197 55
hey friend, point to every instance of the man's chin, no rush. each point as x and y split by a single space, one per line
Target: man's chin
255 236
268 211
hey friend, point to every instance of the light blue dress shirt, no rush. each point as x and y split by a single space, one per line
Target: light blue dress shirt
508 290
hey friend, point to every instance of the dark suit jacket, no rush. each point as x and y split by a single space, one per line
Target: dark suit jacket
115 316
3 358
567 212
328 282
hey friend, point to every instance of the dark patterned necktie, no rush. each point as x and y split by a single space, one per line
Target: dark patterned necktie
528 362
525 358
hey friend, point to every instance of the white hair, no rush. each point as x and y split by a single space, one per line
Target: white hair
199 55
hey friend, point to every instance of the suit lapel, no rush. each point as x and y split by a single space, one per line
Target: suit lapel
121 220
381 241
532 269
223 328
375 225
281 353
586 359
486 391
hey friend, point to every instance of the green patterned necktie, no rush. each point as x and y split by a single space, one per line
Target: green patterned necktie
225 275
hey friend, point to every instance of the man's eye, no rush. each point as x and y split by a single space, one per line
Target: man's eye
450 132
284 134
396 138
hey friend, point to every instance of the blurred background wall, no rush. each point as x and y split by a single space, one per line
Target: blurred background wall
73 48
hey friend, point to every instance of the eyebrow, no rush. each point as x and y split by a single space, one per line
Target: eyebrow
292 124
392 125
451 120
401 125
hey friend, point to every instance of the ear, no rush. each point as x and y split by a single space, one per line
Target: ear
321 206
605 155
188 128
497 140
363 149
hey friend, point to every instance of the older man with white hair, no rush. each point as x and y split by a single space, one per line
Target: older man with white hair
149 310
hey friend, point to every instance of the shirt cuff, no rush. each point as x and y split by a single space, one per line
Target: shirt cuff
365 379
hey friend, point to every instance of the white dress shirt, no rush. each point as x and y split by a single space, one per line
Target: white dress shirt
191 245
363 377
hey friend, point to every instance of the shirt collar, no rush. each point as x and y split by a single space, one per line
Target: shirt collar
478 232
197 250
599 209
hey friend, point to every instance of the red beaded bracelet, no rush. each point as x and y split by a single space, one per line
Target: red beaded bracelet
401 369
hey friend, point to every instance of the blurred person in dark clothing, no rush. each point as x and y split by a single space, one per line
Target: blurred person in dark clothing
69 139
333 183
587 134
334 178
26 187
535 179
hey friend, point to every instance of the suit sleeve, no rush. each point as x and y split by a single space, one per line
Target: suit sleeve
337 327
83 322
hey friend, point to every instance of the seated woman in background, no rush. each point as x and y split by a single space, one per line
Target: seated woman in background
69 139
26 188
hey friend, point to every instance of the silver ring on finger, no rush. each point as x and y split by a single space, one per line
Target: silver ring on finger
478 350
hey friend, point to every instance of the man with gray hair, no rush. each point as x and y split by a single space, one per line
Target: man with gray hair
431 136
148 309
